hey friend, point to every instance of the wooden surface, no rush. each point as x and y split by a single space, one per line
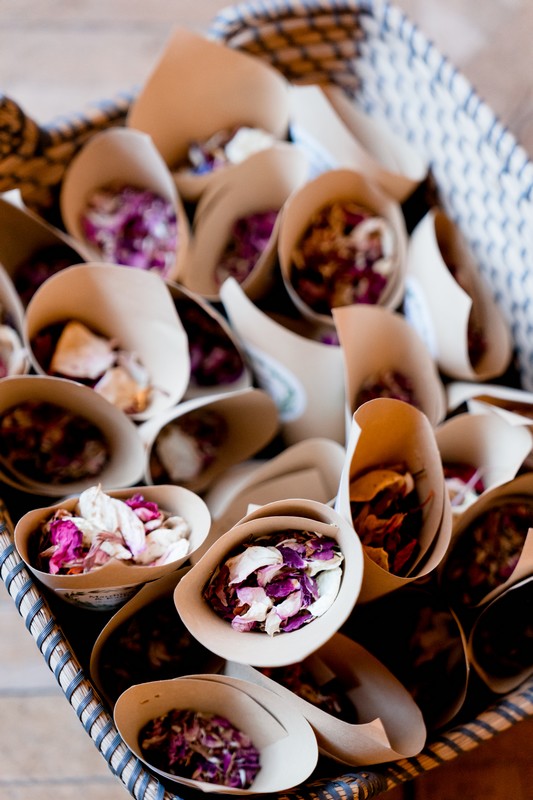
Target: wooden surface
56 56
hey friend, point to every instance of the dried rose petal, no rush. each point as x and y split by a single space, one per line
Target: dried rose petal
225 147
389 383
40 266
248 238
387 516
201 746
48 443
132 226
345 256
277 583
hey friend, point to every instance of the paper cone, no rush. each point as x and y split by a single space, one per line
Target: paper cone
120 157
495 449
443 312
218 362
292 369
14 358
327 123
387 433
133 307
499 644
256 647
176 652
285 740
261 183
200 87
26 238
454 572
111 585
250 420
416 635
126 454
390 725
375 342
338 186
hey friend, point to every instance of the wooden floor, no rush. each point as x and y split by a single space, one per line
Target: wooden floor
55 57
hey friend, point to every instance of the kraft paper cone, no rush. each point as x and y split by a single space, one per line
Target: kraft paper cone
292 369
250 420
261 183
337 186
133 307
453 573
310 469
200 87
390 432
147 598
109 586
499 644
515 406
442 311
285 740
23 236
376 341
126 453
120 157
327 123
416 635
390 724
256 647
487 443
203 321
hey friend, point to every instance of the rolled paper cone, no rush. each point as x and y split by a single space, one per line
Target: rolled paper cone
151 593
120 157
215 322
491 446
519 489
443 312
389 723
310 469
111 585
257 647
376 341
125 464
131 307
326 122
341 185
287 746
291 368
385 433
239 413
178 105
499 644
259 184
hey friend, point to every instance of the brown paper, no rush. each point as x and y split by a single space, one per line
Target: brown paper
126 453
287 744
200 87
115 582
292 369
390 723
440 309
261 183
386 431
340 185
133 307
326 122
256 647
251 420
375 340
124 157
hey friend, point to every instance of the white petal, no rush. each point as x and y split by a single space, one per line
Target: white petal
12 352
112 515
80 353
120 389
249 560
328 583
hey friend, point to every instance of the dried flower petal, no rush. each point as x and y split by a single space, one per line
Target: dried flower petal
200 746
248 238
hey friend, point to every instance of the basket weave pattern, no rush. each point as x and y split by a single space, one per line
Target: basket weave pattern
484 181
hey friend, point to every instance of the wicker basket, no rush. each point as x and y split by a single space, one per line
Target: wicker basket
484 181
